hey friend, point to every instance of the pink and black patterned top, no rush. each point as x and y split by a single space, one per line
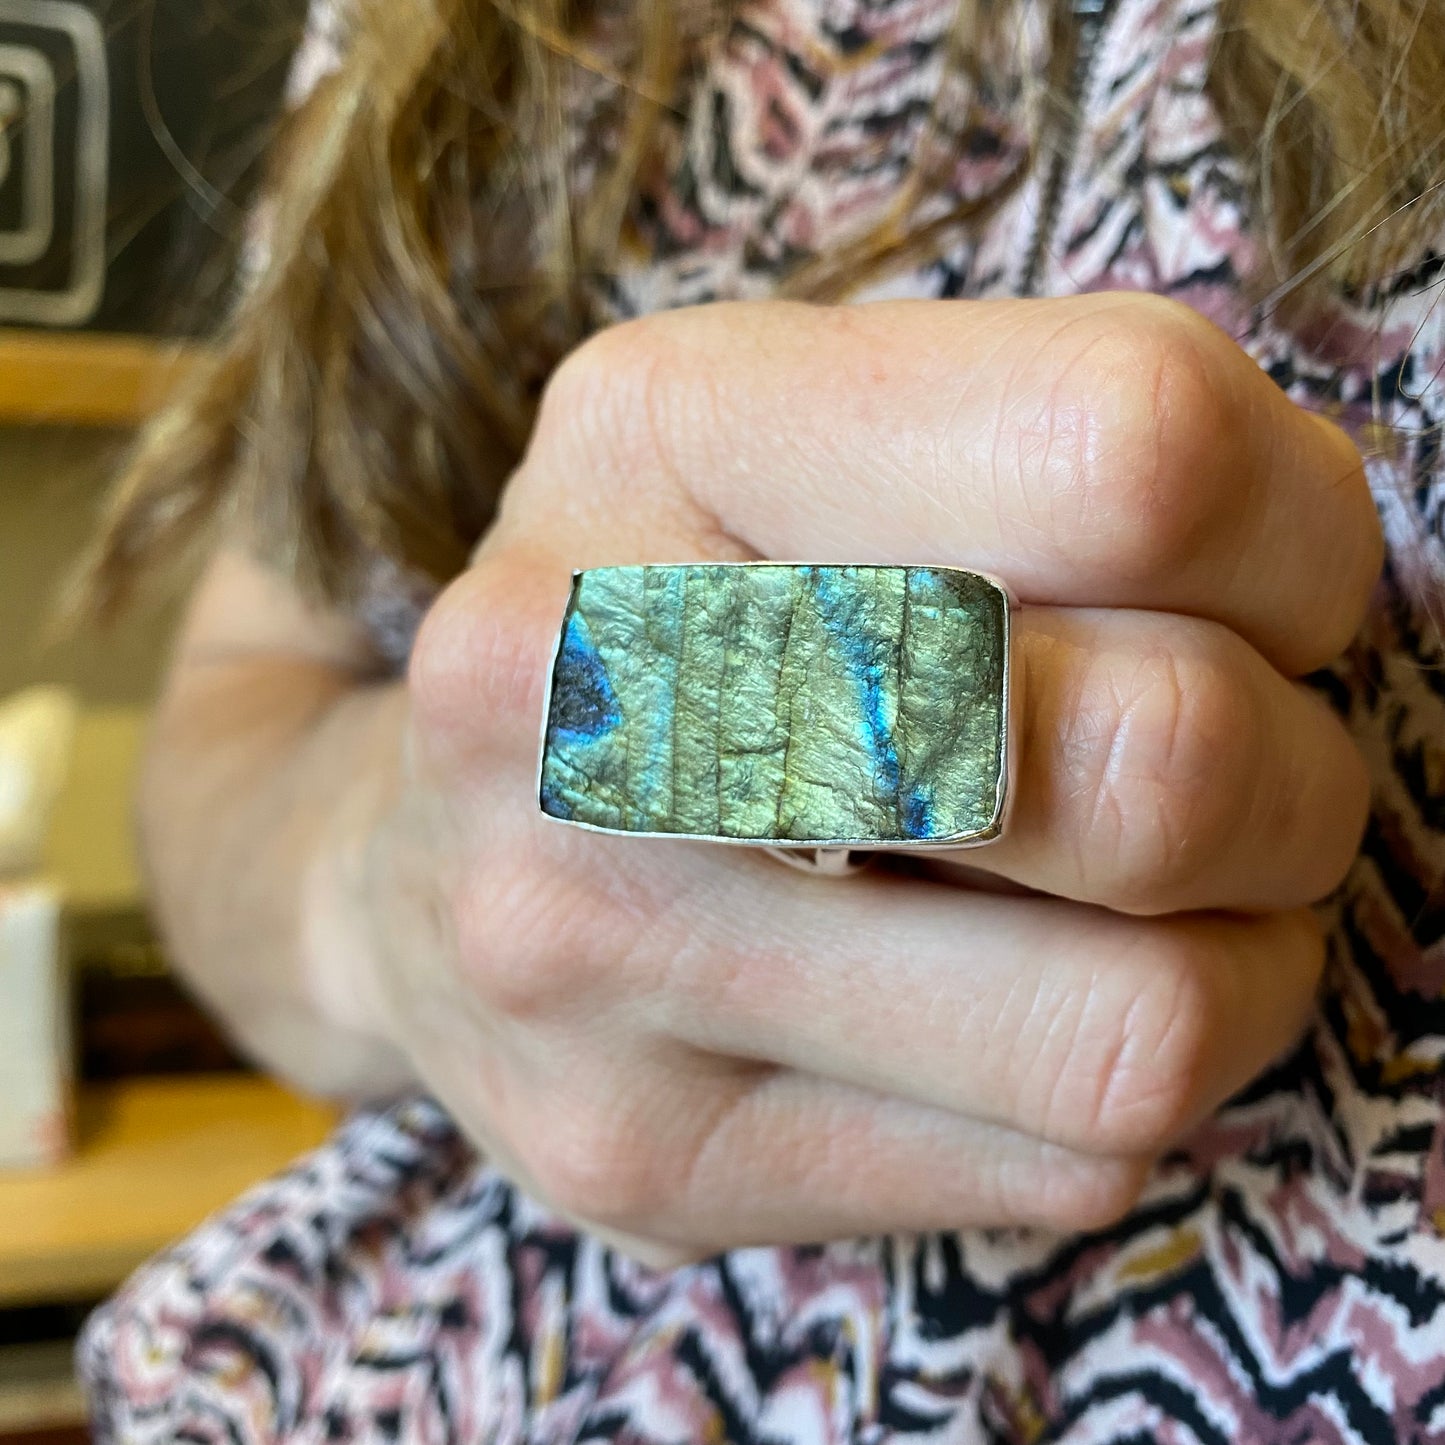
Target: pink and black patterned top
1283 1278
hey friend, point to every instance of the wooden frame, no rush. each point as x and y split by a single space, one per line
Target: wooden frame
86 379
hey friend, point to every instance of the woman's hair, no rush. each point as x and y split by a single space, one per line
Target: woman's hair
441 208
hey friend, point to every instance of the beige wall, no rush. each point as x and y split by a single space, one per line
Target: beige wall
50 484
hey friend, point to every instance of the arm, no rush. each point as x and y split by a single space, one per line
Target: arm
275 743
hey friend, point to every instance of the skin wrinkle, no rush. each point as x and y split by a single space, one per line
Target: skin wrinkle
1248 414
1002 491
1081 480
1102 788
1066 1033
1162 744
1167 408
1251 780
1072 429
1275 806
1187 1081
750 993
695 411
858 1145
1184 743
951 478
597 432
699 1158
949 486
810 472
799 466
1085 840
1113 485
699 966
1041 1004
1103 1115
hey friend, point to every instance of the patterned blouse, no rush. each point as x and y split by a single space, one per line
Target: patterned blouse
1282 1279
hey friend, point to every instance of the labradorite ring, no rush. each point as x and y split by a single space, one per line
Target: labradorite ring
813 709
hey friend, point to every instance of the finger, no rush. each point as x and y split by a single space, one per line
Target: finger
692 1161
1095 1031
670 1154
1104 451
1165 766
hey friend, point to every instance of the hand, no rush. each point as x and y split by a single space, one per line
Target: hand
688 1047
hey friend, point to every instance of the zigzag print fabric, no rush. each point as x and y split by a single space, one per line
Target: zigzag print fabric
1283 1279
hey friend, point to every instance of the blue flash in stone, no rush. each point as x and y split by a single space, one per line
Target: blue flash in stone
771 703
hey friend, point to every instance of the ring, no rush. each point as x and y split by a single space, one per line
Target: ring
814 710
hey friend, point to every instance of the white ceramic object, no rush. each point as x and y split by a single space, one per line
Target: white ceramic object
35 1031
37 737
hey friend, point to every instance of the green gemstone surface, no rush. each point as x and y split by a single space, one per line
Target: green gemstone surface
776 703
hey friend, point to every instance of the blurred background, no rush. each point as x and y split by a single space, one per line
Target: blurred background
131 137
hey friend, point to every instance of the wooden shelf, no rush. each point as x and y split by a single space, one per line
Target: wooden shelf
86 379
38 1390
155 1157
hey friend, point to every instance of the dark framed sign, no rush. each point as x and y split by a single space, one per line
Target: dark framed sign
129 130
54 162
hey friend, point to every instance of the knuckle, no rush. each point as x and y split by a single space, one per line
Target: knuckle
1359 555
529 938
1171 764
620 400
1154 1077
476 664
589 1168
1149 412
1318 804
445 668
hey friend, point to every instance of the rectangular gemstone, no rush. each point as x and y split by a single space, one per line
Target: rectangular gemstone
775 703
